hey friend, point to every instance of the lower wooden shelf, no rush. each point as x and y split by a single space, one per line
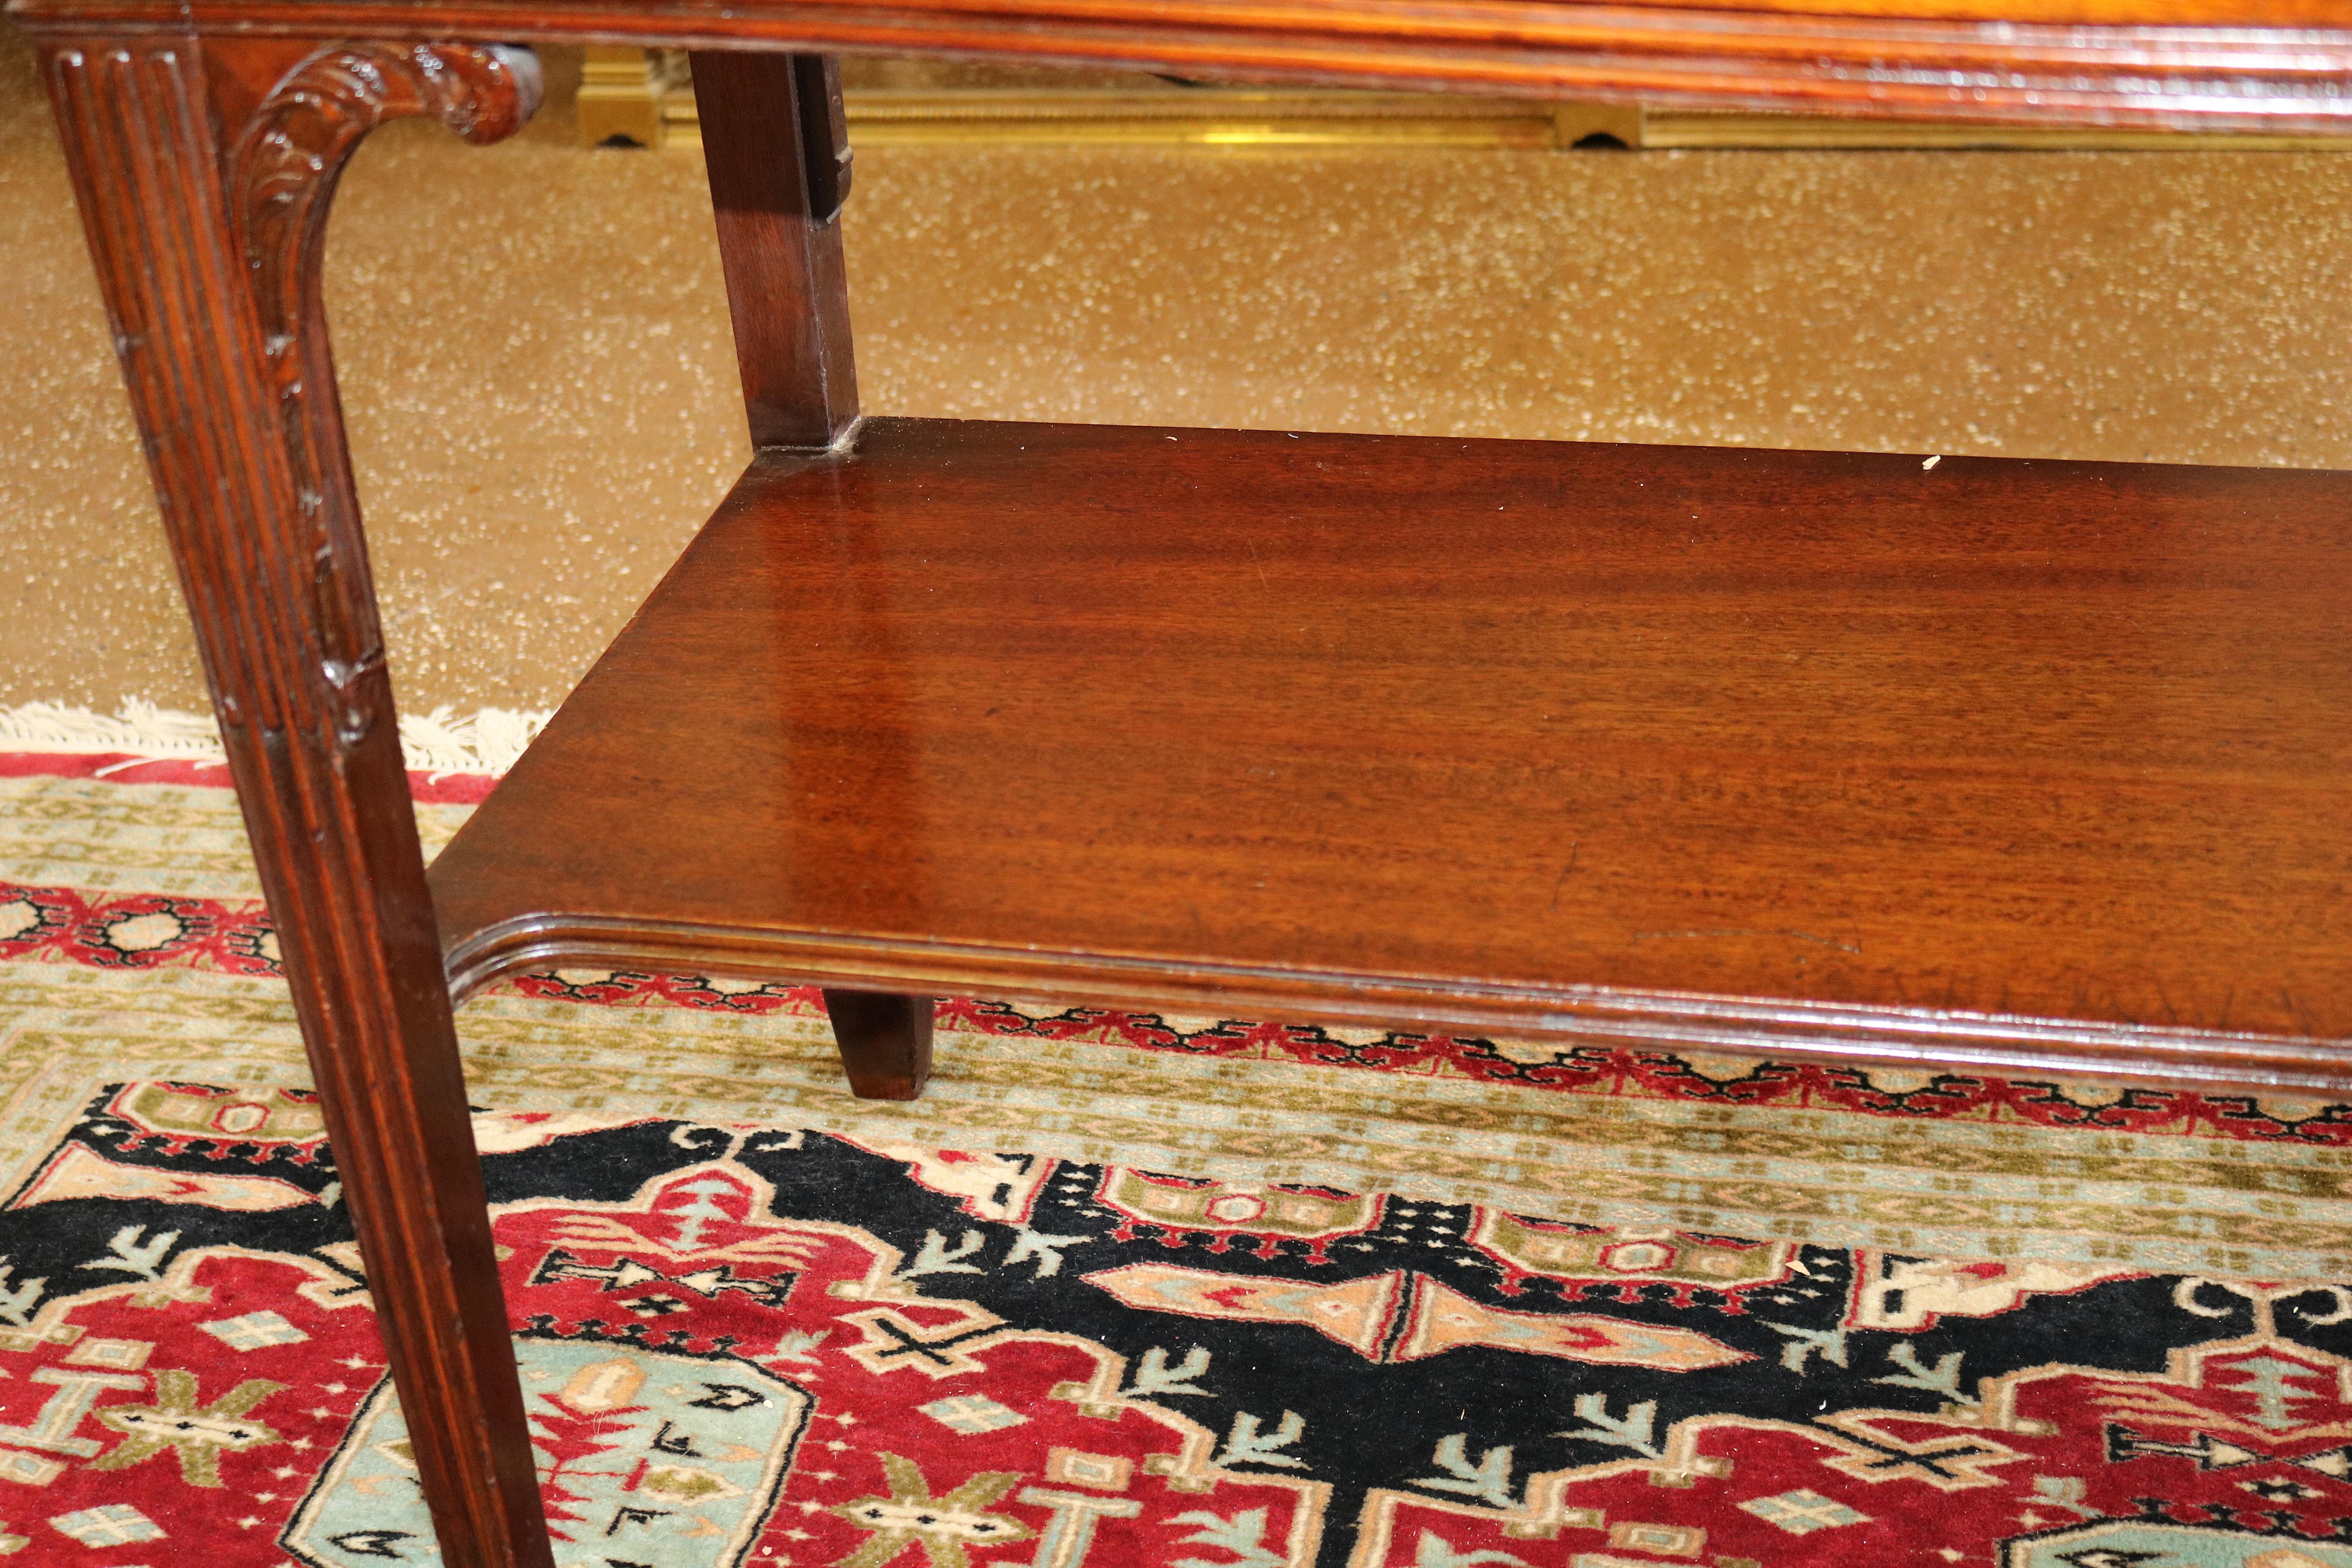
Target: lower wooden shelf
2004 764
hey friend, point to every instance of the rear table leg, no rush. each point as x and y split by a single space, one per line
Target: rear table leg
774 140
884 1040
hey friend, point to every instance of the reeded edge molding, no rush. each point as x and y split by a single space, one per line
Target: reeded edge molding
2161 1057
1703 29
2282 77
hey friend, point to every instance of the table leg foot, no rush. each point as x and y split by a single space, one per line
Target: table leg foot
884 1040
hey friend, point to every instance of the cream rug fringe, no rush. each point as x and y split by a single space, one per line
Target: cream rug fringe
438 743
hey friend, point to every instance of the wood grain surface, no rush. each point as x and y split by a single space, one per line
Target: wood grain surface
1796 750
2281 65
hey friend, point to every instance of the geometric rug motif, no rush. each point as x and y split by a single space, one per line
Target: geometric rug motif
743 1345
1966 1166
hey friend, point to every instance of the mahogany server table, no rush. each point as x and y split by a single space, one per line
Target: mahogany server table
2019 766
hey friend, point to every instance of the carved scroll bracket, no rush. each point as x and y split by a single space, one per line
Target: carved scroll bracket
282 174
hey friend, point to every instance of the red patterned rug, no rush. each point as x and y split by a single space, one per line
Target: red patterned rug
746 1345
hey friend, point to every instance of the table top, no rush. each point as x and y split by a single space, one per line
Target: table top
2280 65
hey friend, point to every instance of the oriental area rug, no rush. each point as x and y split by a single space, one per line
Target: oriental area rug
1125 1289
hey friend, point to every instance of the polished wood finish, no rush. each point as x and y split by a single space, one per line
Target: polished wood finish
884 1040
779 159
2040 765
203 169
2279 65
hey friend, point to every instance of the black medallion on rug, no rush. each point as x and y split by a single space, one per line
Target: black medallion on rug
753 1347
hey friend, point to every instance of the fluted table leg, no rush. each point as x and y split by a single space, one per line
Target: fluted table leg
204 170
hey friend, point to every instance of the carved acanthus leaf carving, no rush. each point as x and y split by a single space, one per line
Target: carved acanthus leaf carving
282 179
294 149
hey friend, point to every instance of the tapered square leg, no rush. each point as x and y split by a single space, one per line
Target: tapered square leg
884 1040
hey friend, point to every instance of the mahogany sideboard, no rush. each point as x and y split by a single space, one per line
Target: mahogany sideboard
2027 766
